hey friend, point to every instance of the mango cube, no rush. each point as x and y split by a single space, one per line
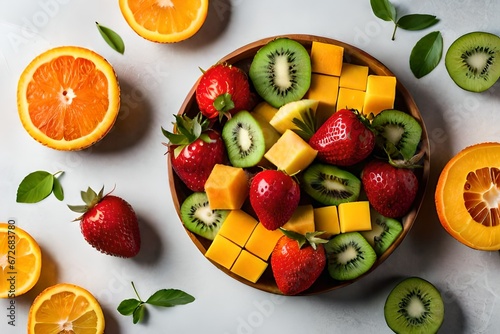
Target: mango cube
353 76
350 99
291 153
226 187
380 94
265 111
302 220
223 251
262 241
249 266
326 58
238 227
354 216
324 88
326 219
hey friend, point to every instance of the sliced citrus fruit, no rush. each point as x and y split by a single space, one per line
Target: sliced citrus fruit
68 98
20 261
65 308
468 196
165 21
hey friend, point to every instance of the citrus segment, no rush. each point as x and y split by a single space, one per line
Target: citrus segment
20 261
468 196
165 21
68 98
65 308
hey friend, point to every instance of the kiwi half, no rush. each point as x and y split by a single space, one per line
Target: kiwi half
473 61
414 306
281 71
383 233
198 218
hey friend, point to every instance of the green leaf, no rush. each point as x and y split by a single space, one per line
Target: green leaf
112 38
35 187
139 313
417 21
426 54
169 298
57 189
128 306
384 9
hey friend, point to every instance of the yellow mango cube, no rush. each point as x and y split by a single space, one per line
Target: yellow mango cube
291 153
326 58
238 227
265 111
324 88
326 219
351 99
226 187
223 251
380 94
262 241
353 76
302 220
354 216
249 266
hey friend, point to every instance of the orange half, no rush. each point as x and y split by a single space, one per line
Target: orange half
68 98
468 196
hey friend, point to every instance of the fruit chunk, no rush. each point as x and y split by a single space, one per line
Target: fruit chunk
354 76
238 227
351 99
326 219
380 94
291 153
383 233
262 241
325 89
249 266
283 119
223 251
226 187
265 111
302 220
354 216
326 58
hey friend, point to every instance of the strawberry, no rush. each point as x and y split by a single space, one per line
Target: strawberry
223 90
194 150
274 196
390 189
109 224
297 261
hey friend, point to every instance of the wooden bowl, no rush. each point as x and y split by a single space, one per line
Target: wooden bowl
242 58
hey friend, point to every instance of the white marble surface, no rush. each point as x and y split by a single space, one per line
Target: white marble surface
155 79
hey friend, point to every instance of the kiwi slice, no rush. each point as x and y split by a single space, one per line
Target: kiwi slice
199 218
414 306
349 256
330 185
244 140
281 71
473 61
383 233
397 132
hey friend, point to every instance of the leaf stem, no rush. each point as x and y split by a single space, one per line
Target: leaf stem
394 31
136 293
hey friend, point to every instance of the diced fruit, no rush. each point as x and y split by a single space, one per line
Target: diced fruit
326 58
383 233
249 266
380 94
265 110
354 216
283 119
227 187
238 227
354 76
271 136
291 153
325 89
262 241
302 220
351 99
223 251
326 220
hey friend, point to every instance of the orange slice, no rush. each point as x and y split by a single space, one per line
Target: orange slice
68 98
468 196
165 21
65 308
20 261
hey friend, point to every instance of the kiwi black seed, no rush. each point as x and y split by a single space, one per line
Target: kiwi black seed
384 232
473 61
281 71
244 140
330 185
198 218
397 132
414 306
349 256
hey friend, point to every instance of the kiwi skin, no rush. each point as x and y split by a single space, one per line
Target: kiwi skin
383 233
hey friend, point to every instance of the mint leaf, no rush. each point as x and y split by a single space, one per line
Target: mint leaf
57 189
169 298
417 21
112 38
426 54
139 313
36 186
384 9
128 306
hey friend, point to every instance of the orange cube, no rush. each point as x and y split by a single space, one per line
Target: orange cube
326 58
226 187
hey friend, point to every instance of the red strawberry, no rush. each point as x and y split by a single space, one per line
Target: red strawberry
194 150
296 264
274 196
223 90
109 224
390 190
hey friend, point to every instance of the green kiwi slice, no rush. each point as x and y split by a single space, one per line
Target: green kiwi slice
199 218
330 185
473 61
414 306
244 140
349 256
281 71
397 132
383 233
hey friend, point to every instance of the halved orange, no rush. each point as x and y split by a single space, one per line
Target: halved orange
65 308
20 261
468 196
165 21
68 98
